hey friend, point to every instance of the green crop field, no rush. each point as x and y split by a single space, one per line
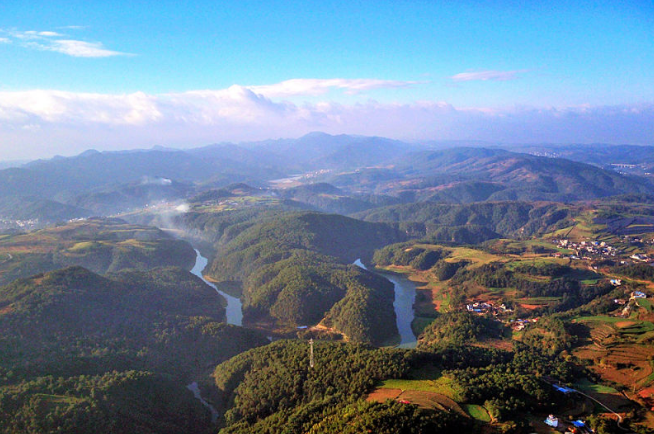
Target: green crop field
598 318
586 386
428 379
477 412
645 303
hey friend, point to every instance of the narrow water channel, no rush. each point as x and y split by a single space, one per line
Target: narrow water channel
234 309
234 314
405 297
195 389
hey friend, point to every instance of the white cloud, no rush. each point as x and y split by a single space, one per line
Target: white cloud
314 87
47 122
5 41
81 48
57 42
57 107
50 34
489 75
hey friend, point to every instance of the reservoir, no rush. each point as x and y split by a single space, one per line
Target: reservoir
405 296
234 306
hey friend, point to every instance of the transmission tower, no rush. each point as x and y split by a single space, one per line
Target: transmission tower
311 353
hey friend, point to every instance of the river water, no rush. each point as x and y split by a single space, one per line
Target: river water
405 297
234 313
234 309
195 389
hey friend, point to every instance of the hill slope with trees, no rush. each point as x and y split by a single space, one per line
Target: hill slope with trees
113 352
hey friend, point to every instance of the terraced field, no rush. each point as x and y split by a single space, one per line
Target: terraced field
616 356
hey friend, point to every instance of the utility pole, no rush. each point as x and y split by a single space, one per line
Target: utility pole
311 352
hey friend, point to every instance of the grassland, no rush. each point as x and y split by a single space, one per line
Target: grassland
427 380
99 245
587 386
477 258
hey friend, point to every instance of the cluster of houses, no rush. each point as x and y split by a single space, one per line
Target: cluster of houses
19 224
586 249
520 324
488 307
483 307
640 257
574 427
629 304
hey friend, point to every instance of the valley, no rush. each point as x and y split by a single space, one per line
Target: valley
490 276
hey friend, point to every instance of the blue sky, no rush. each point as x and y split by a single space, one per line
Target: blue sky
117 74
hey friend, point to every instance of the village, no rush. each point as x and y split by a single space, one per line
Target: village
585 249
26 225
483 308
593 250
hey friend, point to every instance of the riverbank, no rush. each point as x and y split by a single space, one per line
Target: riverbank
405 297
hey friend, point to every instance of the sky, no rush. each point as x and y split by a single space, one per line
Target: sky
110 75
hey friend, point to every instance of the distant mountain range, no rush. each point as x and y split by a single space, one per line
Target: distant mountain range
364 172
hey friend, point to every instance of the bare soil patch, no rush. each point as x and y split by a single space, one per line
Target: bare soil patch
623 324
500 344
381 395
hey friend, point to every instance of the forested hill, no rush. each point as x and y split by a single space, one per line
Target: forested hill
553 174
110 354
463 175
293 268
476 221
329 234
36 208
272 389
50 319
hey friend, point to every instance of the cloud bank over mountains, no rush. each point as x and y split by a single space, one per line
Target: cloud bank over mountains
38 123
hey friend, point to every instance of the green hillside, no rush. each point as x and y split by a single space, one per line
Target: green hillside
82 350
518 219
293 271
100 245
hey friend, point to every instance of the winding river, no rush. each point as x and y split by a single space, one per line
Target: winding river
234 309
405 296
234 313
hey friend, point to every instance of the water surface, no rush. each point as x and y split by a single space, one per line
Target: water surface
405 297
234 309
